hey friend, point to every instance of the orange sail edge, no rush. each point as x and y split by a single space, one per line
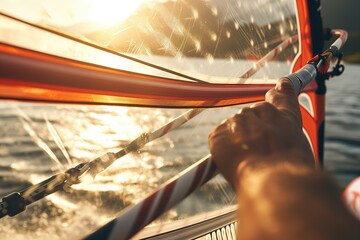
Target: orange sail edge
31 76
23 91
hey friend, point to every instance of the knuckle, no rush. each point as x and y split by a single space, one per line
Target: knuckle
287 86
262 105
263 108
243 110
270 94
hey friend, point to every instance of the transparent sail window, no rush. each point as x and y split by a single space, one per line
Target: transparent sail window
216 41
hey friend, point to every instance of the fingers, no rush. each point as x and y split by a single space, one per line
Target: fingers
235 126
264 110
283 97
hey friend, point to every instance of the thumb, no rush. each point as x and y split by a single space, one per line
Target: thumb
284 85
283 95
284 98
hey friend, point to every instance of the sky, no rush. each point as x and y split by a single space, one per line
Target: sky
64 13
345 15
61 13
336 14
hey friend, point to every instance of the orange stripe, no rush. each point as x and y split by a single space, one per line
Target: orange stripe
29 75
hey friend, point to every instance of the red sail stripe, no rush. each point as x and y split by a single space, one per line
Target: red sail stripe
166 195
141 216
198 175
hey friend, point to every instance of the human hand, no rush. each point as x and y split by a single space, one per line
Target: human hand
266 133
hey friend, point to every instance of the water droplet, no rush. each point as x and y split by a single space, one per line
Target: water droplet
214 11
252 42
197 44
213 36
210 58
195 13
265 45
269 26
281 30
179 57
231 59
295 49
236 25
291 26
228 34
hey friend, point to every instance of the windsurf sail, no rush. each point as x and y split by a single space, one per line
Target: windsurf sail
159 54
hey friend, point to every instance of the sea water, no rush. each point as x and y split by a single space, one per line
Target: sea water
342 129
39 140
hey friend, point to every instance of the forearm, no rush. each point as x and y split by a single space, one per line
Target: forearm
290 201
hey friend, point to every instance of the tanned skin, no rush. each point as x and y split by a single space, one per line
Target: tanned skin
263 153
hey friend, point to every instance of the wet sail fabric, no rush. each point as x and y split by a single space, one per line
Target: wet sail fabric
212 42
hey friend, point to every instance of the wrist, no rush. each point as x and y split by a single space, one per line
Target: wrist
256 170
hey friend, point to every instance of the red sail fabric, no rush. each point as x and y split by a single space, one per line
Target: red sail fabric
312 121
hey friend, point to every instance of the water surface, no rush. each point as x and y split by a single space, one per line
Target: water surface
39 140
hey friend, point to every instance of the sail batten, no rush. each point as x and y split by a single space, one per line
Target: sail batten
49 74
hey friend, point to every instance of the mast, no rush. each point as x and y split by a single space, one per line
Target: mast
313 105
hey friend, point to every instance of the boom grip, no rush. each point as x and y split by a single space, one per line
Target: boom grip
302 77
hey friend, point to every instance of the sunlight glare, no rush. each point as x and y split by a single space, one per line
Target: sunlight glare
111 12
